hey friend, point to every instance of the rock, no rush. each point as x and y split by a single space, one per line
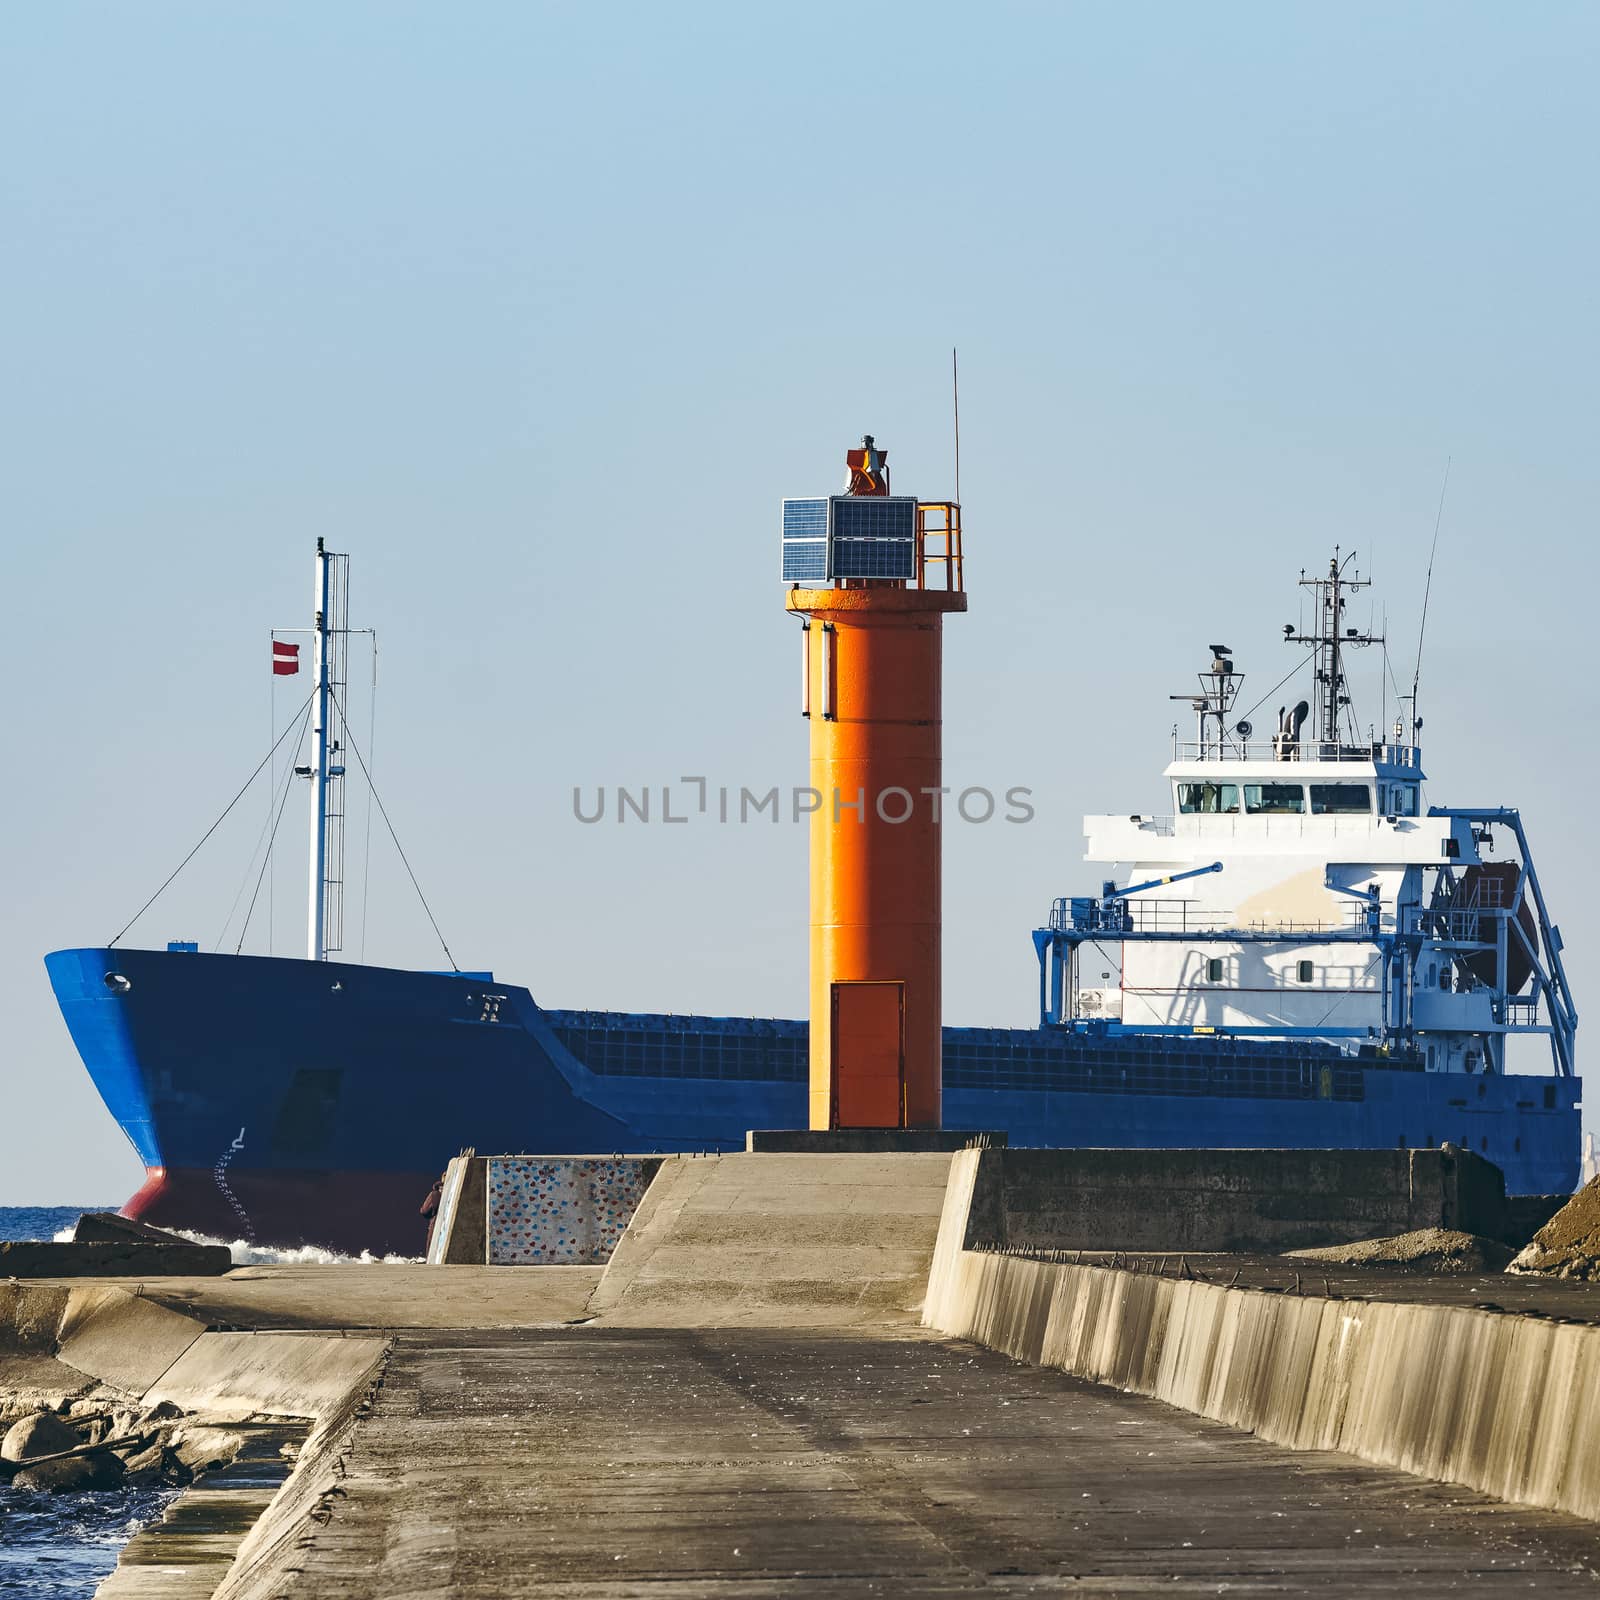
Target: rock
201 1449
146 1466
161 1411
101 1471
1568 1245
42 1434
123 1423
152 1455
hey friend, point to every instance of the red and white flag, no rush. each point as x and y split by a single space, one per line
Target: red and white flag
285 659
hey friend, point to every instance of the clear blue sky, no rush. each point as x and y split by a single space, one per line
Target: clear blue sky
539 311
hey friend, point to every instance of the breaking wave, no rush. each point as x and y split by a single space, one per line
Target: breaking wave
246 1254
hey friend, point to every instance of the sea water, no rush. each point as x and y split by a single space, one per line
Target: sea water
42 1222
59 1547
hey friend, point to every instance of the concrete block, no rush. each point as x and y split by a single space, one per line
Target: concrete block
30 1316
124 1339
106 1227
562 1210
1224 1200
778 1240
231 1376
132 1259
458 1237
30 1381
482 1222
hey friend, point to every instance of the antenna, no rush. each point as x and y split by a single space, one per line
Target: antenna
1427 589
1330 639
1383 682
955 397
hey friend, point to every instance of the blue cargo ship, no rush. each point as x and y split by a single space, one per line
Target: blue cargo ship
1302 955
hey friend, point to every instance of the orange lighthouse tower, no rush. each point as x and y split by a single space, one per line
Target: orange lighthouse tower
872 576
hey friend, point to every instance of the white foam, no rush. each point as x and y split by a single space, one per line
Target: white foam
246 1254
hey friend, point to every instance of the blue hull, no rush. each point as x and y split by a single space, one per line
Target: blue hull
305 1102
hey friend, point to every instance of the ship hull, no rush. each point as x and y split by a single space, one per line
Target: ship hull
342 1211
293 1102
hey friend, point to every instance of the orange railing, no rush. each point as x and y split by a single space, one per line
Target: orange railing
939 544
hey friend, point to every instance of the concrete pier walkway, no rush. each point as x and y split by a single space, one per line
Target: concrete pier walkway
612 1462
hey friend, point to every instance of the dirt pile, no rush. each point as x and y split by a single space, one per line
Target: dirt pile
1568 1245
1435 1250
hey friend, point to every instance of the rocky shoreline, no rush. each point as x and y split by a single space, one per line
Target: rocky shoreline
95 1445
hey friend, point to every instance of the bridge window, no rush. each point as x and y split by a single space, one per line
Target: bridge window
1214 970
1303 971
1397 799
1208 797
1340 800
1275 799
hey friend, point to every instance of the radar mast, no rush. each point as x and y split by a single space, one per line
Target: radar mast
1328 641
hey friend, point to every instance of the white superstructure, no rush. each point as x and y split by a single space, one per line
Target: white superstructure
1301 887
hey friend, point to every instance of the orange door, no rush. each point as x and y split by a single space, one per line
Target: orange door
869 1059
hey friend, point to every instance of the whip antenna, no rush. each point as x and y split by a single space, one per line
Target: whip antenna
955 400
1427 589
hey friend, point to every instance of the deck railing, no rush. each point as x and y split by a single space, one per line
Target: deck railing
1261 824
1394 755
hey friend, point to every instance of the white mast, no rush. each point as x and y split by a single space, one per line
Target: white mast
316 944
325 907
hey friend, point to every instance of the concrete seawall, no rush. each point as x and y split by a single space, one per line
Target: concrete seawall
1509 1405
1226 1200
57 1342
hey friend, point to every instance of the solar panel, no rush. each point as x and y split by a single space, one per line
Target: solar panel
867 517
805 541
805 519
849 536
874 558
805 561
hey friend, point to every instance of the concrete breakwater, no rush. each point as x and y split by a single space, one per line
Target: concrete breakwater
208 1398
742 1396
1505 1404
